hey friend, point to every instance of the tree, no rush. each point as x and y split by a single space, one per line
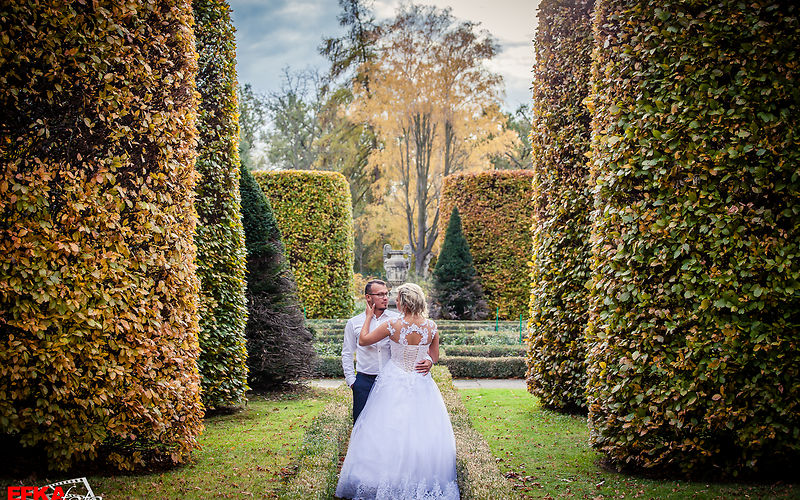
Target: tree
457 293
434 107
279 346
295 122
518 156
357 46
252 122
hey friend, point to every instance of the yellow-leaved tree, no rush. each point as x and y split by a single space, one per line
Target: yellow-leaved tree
434 107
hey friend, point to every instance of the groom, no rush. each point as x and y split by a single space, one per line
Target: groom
371 358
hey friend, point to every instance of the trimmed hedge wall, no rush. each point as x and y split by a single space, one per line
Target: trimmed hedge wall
315 216
560 268
695 314
221 260
98 293
495 209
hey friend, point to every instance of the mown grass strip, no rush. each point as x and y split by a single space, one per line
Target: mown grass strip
546 454
478 475
317 465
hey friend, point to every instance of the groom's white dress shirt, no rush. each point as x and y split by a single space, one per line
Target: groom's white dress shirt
369 358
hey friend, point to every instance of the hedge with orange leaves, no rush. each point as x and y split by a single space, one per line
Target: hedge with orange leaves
496 213
98 294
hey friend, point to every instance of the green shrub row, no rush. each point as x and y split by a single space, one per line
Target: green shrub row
98 292
324 442
314 214
496 210
328 366
695 305
478 475
487 351
560 268
474 367
219 237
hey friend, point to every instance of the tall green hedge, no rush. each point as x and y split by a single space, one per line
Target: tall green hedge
496 210
562 202
695 316
221 259
98 293
315 216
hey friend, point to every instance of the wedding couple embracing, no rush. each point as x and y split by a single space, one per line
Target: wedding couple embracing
402 444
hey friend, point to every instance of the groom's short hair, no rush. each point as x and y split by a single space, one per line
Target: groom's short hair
368 287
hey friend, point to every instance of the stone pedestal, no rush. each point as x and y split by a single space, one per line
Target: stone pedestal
396 264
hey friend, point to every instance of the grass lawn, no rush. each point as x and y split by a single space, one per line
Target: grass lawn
547 455
243 454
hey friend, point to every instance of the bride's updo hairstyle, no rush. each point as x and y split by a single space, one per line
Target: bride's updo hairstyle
411 300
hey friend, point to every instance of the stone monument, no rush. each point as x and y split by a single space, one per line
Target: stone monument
396 264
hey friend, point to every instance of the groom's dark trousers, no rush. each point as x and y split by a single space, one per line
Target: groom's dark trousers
361 388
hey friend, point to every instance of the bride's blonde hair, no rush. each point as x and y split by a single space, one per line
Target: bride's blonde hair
411 300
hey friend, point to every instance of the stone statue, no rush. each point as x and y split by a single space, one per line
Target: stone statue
396 264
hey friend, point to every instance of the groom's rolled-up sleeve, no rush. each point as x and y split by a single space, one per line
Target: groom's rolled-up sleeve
348 348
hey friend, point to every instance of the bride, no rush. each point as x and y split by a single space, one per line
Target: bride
402 445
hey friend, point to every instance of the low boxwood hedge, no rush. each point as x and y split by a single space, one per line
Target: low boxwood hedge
472 367
328 367
487 351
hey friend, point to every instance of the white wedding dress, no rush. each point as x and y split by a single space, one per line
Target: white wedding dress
402 445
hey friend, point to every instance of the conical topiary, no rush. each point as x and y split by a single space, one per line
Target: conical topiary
457 293
279 348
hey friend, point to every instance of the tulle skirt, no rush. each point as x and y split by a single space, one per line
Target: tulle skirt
402 445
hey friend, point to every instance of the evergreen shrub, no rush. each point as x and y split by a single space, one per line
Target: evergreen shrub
220 237
278 343
487 351
457 293
98 293
495 209
560 267
315 217
694 326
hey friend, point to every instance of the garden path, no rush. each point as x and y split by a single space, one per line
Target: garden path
473 383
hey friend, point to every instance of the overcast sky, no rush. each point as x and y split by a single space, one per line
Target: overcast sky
273 34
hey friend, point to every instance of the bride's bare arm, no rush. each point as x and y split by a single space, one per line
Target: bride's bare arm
433 349
367 337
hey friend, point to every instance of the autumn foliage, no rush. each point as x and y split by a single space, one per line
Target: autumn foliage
315 219
562 202
496 210
220 237
98 294
695 305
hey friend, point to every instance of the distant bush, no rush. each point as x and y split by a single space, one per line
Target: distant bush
314 214
496 212
279 348
457 292
98 292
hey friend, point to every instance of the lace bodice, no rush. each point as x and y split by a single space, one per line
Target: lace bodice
406 355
